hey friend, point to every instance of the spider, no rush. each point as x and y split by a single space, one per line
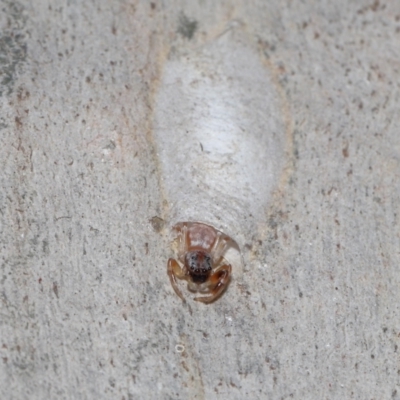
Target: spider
200 251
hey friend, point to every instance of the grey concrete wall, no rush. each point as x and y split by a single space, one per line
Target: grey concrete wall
87 311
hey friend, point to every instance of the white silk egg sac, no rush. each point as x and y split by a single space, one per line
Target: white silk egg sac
220 135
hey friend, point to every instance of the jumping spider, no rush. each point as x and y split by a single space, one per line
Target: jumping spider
200 251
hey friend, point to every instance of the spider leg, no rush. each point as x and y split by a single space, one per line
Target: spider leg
217 283
219 246
182 241
175 271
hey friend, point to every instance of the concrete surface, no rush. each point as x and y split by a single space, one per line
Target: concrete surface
87 311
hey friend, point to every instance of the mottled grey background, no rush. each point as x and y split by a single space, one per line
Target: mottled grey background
86 308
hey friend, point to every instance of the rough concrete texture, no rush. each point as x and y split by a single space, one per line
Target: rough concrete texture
87 311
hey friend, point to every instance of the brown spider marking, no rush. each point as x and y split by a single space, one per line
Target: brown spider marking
200 251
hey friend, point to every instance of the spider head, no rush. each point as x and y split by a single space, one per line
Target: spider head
199 265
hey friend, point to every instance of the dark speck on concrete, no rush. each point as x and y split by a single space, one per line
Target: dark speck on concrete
157 223
186 27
